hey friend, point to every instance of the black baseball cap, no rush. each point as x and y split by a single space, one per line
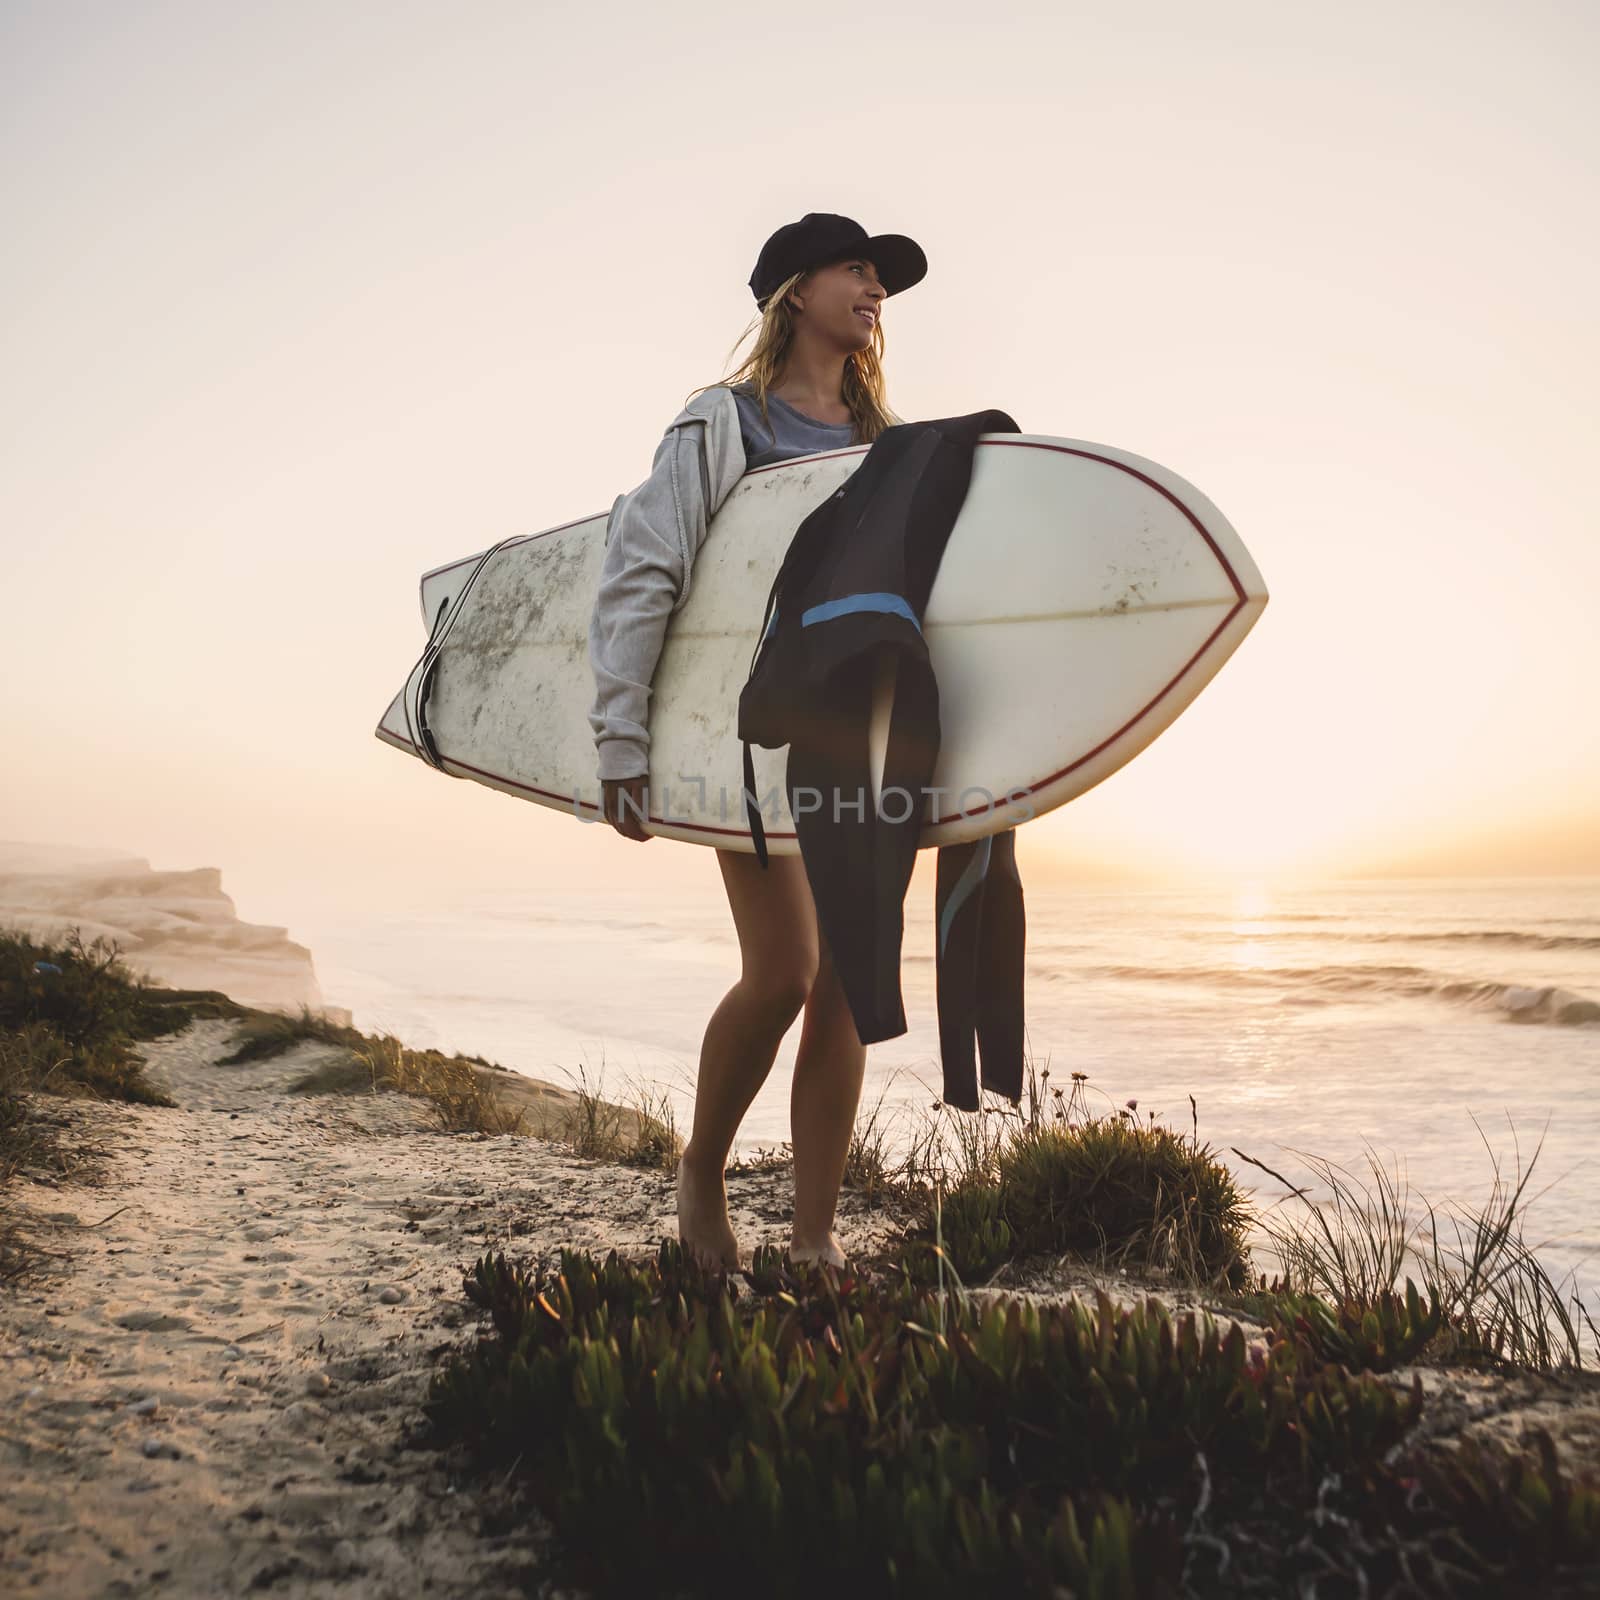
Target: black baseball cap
820 237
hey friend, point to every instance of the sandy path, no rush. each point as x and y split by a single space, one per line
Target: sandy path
207 1391
238 1288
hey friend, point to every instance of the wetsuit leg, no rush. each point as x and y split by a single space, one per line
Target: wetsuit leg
980 928
1002 943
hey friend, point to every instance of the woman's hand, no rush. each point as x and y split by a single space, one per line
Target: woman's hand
625 817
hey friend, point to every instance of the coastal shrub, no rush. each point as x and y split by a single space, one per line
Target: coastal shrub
1525 1520
968 1225
18 1140
1112 1191
1108 1189
677 1435
69 1015
1376 1336
83 993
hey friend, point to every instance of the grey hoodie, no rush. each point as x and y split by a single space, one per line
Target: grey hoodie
653 535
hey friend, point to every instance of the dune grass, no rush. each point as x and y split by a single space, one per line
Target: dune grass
70 1015
468 1093
1351 1252
640 1130
459 1089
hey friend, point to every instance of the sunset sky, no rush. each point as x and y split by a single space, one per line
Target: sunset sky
300 301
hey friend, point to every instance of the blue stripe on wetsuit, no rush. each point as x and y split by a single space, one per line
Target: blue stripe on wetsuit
879 601
965 884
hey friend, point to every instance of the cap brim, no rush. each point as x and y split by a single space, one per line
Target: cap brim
899 261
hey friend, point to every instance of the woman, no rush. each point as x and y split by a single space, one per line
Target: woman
813 381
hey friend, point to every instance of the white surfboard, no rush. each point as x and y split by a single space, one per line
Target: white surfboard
1085 597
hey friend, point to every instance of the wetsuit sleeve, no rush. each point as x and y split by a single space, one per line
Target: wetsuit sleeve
652 538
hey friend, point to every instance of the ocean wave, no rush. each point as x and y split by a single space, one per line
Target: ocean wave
1509 936
1521 938
1516 1002
1521 1002
575 919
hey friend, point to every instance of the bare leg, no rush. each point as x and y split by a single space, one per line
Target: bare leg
822 1111
776 922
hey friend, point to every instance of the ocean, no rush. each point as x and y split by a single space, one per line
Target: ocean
1435 1025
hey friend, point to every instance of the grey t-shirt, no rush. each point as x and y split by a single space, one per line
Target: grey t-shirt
791 432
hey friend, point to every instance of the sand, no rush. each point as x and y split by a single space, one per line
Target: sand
209 1385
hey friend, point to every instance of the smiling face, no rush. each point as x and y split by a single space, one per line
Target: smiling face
841 302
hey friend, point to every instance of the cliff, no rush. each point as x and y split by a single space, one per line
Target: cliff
175 928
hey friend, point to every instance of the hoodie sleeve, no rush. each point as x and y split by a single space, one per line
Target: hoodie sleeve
652 538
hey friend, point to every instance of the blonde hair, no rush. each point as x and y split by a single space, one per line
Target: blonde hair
863 387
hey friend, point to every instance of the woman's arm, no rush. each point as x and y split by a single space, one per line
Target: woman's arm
652 538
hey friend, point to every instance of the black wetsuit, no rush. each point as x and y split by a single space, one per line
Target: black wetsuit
855 581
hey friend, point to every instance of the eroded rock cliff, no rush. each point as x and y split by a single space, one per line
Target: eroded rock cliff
175 928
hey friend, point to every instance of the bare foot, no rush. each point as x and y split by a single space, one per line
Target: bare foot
703 1228
830 1251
